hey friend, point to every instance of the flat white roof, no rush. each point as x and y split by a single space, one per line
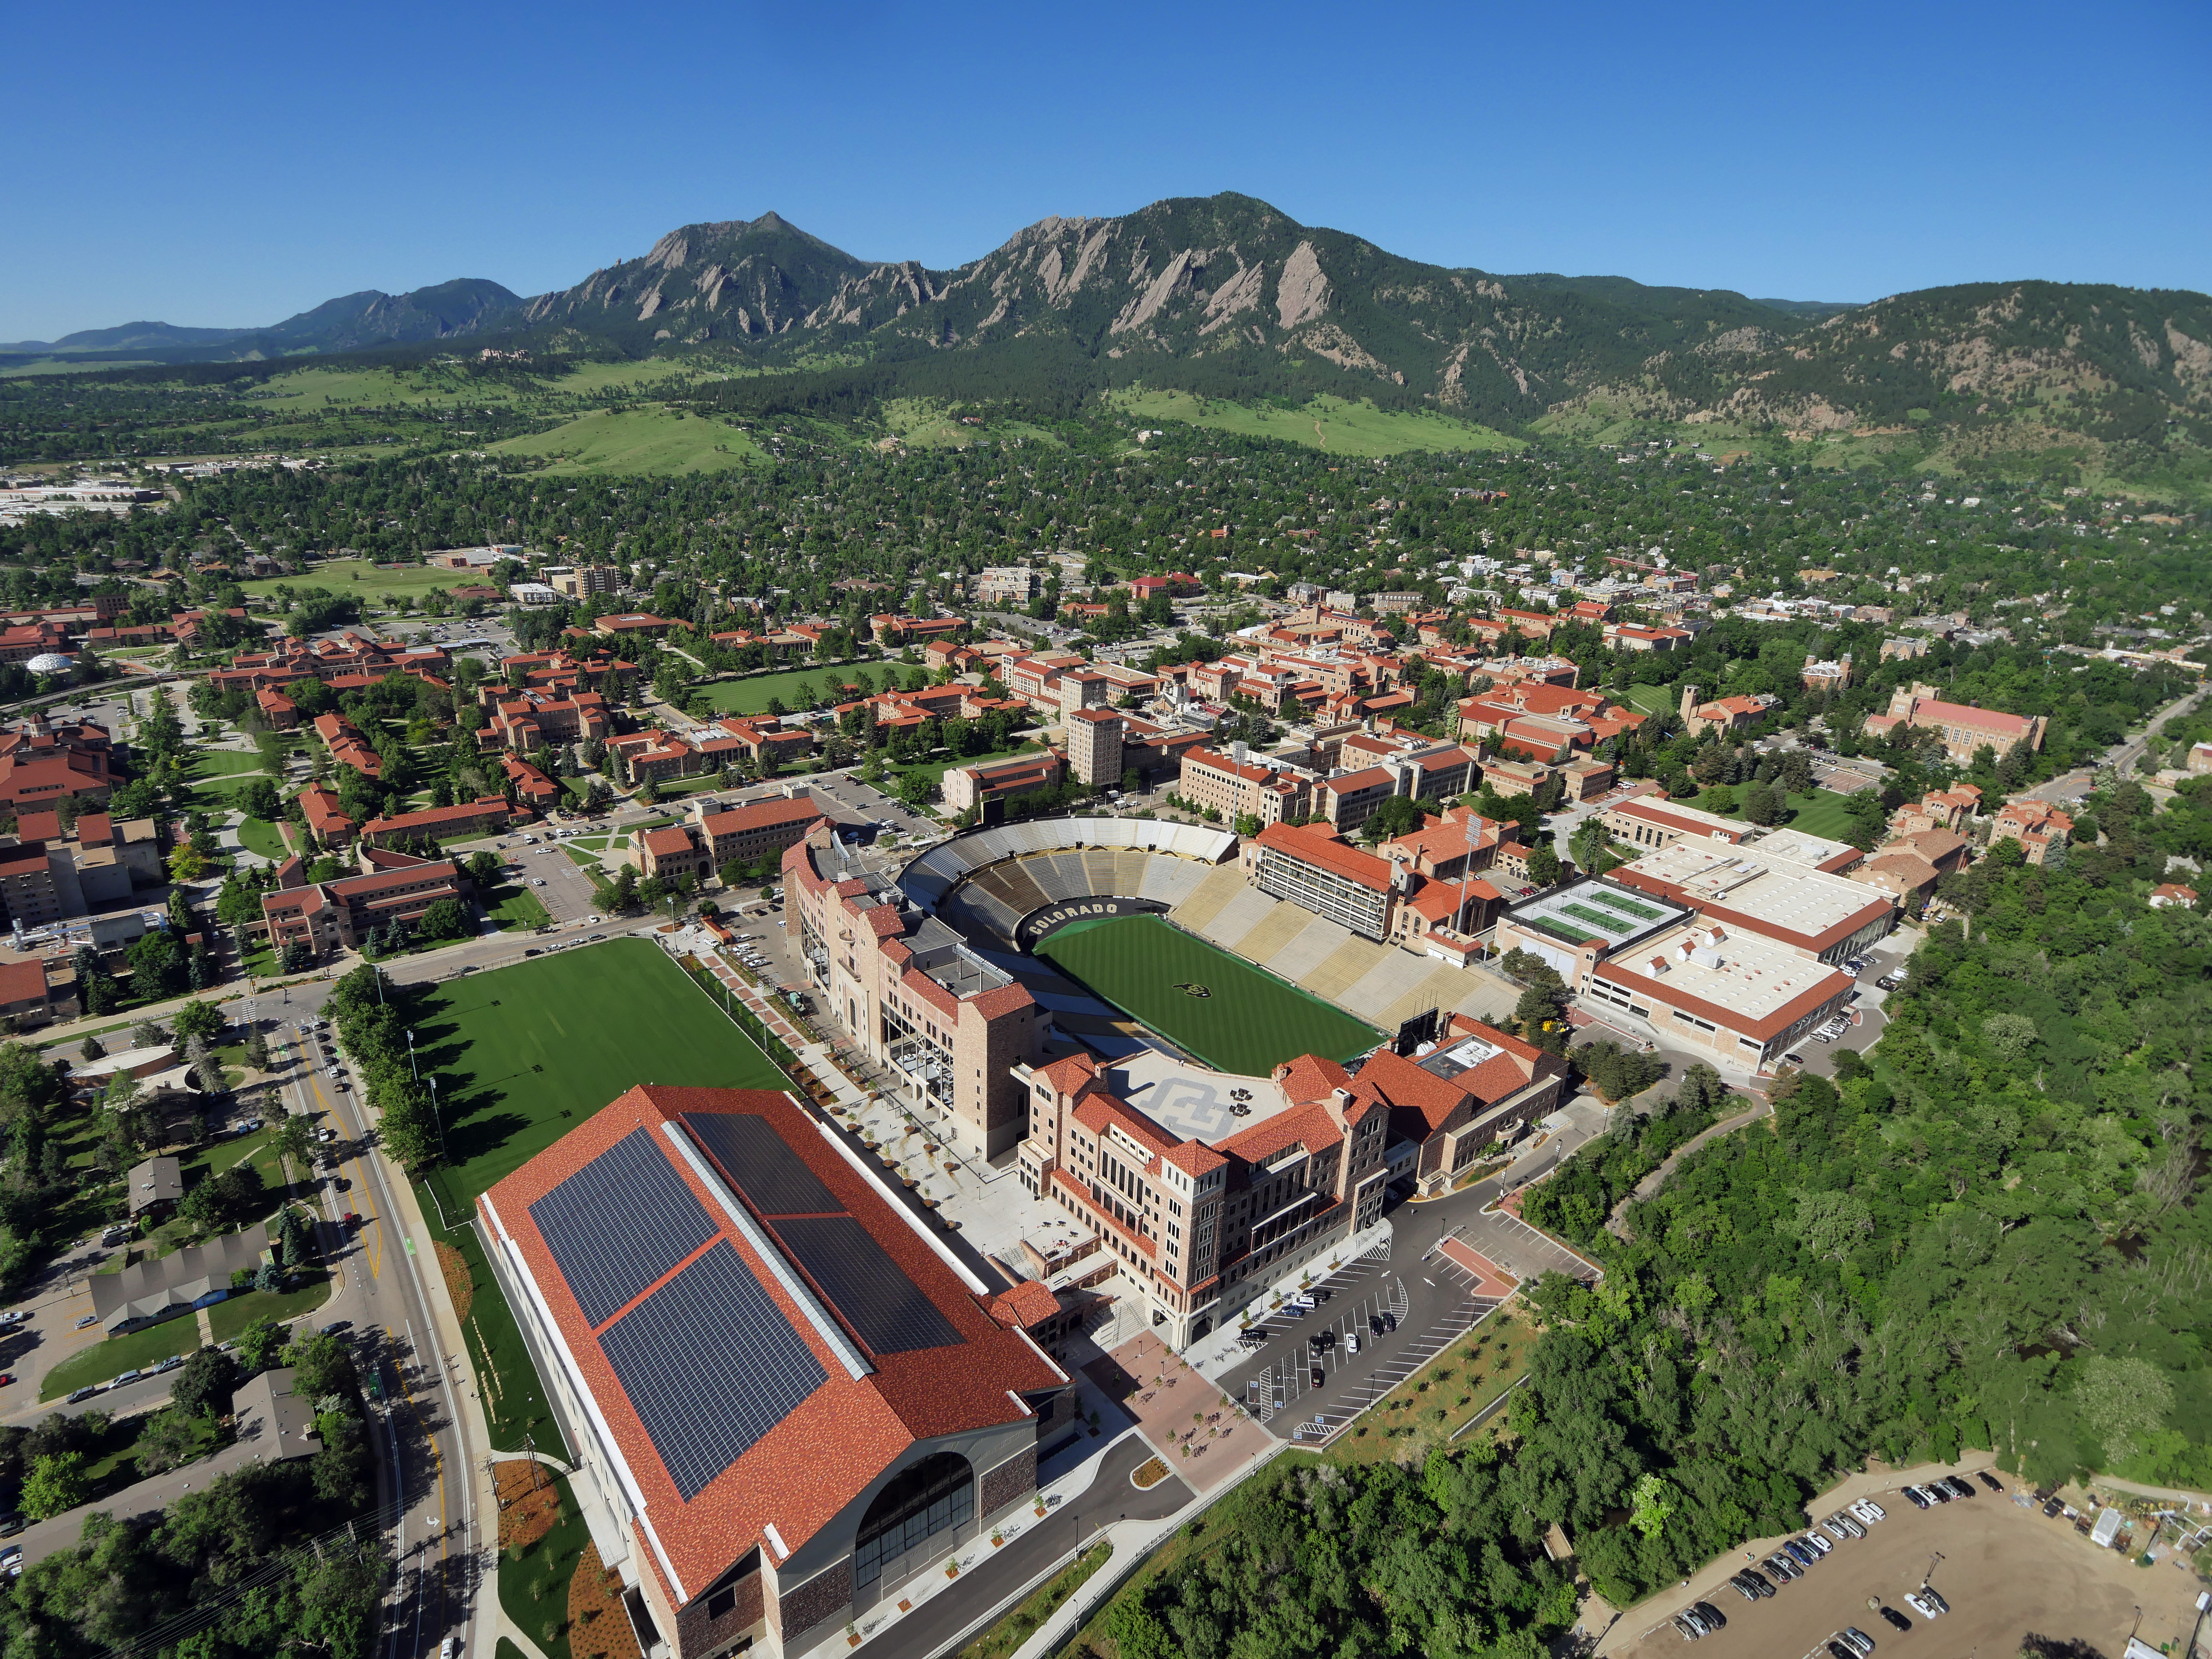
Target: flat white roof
1801 846
1189 1102
1779 892
1750 976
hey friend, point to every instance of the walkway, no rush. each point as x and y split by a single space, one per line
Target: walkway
1652 1182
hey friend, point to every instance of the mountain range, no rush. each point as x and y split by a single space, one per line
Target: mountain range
1228 295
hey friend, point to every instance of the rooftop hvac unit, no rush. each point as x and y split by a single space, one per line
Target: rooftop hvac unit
1706 958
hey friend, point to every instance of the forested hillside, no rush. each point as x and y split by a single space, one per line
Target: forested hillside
1990 1236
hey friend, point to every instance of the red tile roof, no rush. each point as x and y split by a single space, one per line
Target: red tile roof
821 1457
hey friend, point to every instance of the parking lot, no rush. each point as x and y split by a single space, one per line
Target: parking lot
567 893
2007 1572
1430 1305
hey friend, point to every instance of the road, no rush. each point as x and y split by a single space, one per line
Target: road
2068 787
938 1623
427 1435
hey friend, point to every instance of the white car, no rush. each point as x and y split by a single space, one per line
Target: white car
1818 1543
1870 1511
1919 1602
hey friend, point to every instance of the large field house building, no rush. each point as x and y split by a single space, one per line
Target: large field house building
790 1396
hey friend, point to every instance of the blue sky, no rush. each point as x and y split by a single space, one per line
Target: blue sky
231 165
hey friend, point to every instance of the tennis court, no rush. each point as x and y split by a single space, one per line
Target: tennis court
1216 1006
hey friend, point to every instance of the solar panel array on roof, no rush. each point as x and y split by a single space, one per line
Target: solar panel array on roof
620 1223
863 1283
761 1163
710 1366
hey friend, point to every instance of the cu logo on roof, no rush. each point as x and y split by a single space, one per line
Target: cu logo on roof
1194 989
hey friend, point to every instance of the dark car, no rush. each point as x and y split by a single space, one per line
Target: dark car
1783 1568
1991 1481
1759 1581
1742 1587
1321 1341
2056 1506
1389 1320
1803 1555
1838 1650
1938 1490
1712 1614
1915 1497
1888 982
1320 1377
1374 1324
11 1523
1894 1619
336 1326
1957 1487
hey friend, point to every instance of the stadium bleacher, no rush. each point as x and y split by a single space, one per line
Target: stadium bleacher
984 883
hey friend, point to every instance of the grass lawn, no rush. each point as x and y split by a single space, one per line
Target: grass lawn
360 579
1821 812
514 1397
226 1319
525 1054
136 1352
259 835
750 697
1249 1021
1007 1635
222 763
1329 423
591 843
1651 699
534 1581
516 907
637 441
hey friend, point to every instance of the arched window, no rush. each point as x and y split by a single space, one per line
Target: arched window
934 1495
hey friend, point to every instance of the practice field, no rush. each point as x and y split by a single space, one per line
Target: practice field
1247 1021
524 1055
647 440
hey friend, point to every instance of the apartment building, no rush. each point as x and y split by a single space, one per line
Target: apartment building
1649 823
326 817
1094 746
1725 714
43 764
1011 584
577 583
531 719
1235 787
2041 829
1203 1199
1471 1089
912 993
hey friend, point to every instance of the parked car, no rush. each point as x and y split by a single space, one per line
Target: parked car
1867 1509
1689 1627
1802 1554
1783 1567
1957 1487
89 1319
1857 1639
2053 1506
1320 1377
1852 1528
130 1376
1918 1498
1889 981
1711 1615
1991 1481
1742 1587
169 1365
1351 1342
86 1392
1893 1619
1921 1604
1818 1543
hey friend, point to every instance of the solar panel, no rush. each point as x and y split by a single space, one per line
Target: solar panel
864 1283
710 1366
620 1223
761 1163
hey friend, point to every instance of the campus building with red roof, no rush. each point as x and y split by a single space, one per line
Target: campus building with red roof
791 1395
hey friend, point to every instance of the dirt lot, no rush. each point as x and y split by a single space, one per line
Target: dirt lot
2008 1573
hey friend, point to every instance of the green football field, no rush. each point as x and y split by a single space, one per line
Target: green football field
524 1055
1247 1022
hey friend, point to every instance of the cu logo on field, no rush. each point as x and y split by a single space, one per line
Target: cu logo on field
1194 989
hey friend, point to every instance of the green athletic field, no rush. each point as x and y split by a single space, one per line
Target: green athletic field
1249 1023
524 1055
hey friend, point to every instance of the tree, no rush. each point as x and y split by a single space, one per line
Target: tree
1400 814
259 1345
1544 866
485 869
445 919
321 1366
917 789
187 863
2122 1401
90 1050
199 1019
56 1484
169 1439
257 1049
